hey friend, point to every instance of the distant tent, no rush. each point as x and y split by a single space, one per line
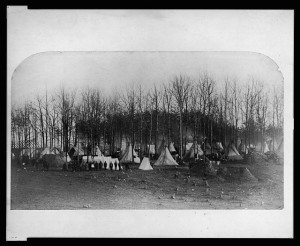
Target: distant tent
97 151
50 151
195 149
165 159
232 153
127 157
266 147
145 165
188 146
64 156
76 151
152 149
12 156
219 144
172 148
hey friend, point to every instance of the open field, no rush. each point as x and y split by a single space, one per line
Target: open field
136 189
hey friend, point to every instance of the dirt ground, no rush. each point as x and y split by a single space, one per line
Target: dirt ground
136 189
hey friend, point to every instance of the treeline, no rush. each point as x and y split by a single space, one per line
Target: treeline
184 109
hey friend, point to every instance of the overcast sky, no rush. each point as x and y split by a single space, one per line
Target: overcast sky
32 32
109 71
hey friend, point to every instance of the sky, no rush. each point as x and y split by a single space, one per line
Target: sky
110 71
31 33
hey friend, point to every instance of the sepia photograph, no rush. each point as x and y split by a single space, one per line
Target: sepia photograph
115 133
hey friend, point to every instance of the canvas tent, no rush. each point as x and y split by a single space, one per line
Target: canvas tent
64 154
195 149
188 146
232 153
172 148
127 156
76 151
145 165
49 151
219 144
152 149
165 159
266 147
97 151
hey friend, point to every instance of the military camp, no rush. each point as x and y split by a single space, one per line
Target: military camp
188 141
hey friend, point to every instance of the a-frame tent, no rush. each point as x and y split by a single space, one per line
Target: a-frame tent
145 165
195 149
219 144
127 156
232 153
97 151
266 147
76 151
151 149
172 148
165 159
243 148
50 151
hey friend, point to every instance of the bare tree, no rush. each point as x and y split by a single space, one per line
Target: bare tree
180 91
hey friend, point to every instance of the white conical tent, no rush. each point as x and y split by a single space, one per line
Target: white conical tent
127 157
219 144
165 159
145 165
97 151
152 149
233 154
194 149
266 147
172 148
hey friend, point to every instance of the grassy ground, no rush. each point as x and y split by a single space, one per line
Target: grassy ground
137 189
